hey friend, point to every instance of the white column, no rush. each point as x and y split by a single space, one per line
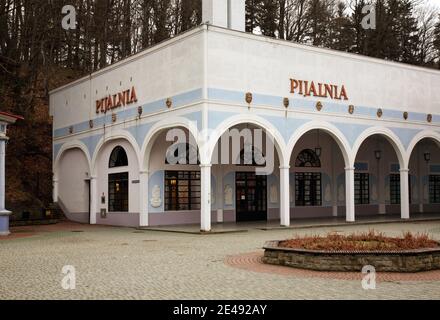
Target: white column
205 212
4 214
380 187
237 15
215 12
334 181
219 196
93 199
2 173
420 169
285 196
349 194
143 198
404 193
55 190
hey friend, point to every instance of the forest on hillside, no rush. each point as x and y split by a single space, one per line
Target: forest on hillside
37 54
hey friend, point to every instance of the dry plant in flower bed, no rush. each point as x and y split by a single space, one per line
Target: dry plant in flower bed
367 241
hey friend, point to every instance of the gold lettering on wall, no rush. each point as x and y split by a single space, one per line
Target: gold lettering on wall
319 90
121 99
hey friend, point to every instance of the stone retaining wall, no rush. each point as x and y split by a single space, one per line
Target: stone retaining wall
395 261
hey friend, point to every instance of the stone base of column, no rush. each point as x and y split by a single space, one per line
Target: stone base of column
421 209
220 215
335 211
382 208
4 223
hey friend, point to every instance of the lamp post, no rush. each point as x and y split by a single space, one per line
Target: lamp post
5 120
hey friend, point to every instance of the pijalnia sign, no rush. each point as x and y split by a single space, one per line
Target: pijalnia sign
321 90
118 100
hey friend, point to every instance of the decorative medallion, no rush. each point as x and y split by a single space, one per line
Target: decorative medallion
114 117
249 98
91 124
379 113
319 106
228 197
169 103
286 102
351 109
71 129
429 118
156 197
405 115
140 110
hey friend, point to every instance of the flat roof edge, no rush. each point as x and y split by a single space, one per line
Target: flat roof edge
11 116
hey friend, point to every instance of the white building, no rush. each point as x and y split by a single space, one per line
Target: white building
360 140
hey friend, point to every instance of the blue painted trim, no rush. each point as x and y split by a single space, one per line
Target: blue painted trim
132 112
361 166
405 135
56 149
197 117
139 132
309 104
91 142
286 126
351 131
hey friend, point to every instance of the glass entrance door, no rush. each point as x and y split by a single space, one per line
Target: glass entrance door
251 196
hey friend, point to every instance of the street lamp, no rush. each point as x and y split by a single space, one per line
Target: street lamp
427 156
318 152
378 154
318 149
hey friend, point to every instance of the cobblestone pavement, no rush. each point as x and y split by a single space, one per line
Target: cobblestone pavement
122 263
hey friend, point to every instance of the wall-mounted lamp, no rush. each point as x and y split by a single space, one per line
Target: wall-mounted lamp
427 156
378 155
318 149
318 152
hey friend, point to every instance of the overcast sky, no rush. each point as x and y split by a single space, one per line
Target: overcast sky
434 2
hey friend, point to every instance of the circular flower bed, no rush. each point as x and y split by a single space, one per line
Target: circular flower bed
410 253
370 241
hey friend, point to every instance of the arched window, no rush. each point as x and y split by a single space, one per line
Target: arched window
308 158
118 158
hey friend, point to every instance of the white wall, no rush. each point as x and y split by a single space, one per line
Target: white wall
73 189
157 73
244 62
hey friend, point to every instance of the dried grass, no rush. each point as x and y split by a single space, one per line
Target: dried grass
367 241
